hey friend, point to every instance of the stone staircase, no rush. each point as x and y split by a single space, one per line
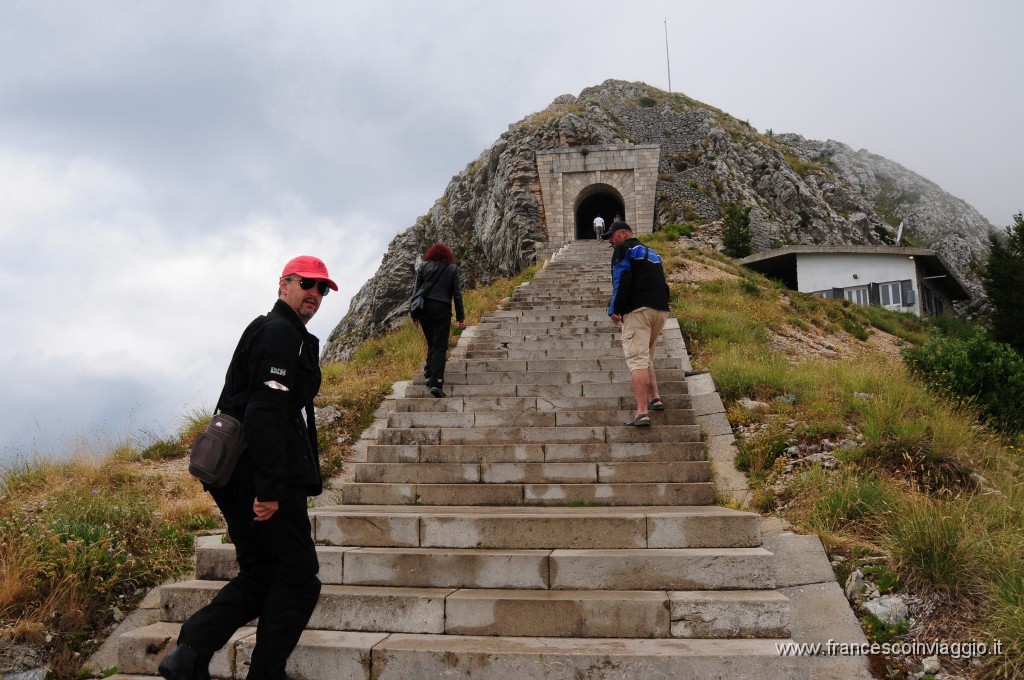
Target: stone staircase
517 529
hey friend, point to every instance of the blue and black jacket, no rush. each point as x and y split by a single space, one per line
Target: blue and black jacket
638 279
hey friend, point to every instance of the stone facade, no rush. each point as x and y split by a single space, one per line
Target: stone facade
567 176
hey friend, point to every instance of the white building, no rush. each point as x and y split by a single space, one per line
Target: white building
902 278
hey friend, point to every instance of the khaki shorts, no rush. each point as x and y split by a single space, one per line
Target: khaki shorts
640 331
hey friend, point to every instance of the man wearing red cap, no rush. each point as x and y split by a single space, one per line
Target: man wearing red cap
270 385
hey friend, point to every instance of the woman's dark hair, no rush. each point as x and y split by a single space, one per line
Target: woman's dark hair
439 252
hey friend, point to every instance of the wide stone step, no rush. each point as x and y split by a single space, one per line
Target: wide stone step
536 453
522 569
571 365
527 404
340 607
401 566
575 418
320 654
580 314
532 473
597 434
538 569
692 493
521 528
419 391
329 655
620 375
521 612
515 658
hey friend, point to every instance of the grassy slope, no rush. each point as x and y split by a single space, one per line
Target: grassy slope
920 497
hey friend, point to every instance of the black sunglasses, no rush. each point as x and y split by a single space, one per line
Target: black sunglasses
322 286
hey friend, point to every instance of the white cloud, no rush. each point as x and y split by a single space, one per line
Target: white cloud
128 302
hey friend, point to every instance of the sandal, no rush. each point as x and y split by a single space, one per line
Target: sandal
656 404
642 420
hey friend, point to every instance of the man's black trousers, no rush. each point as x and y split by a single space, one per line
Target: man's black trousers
436 321
277 581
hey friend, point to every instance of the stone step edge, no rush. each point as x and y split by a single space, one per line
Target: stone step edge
395 656
692 614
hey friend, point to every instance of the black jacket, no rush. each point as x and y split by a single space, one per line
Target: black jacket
447 288
270 385
638 279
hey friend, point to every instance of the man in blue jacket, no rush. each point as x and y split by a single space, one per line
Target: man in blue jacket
640 302
270 385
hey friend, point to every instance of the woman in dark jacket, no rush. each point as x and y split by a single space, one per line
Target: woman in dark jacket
439 277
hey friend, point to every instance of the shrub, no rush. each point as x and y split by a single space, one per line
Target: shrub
756 455
846 498
882 632
1006 622
736 237
1003 278
935 544
975 368
674 231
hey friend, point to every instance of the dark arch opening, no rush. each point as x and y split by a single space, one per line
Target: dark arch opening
603 201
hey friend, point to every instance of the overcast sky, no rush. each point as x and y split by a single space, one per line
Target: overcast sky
160 161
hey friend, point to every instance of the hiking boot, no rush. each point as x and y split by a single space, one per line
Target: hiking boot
437 392
184 663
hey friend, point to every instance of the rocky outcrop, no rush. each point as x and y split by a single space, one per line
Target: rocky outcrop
931 217
799 191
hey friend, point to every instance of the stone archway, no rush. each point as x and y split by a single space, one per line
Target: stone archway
597 199
624 173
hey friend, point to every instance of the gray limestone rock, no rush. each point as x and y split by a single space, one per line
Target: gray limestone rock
800 192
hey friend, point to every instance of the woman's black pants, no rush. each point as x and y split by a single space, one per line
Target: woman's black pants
436 322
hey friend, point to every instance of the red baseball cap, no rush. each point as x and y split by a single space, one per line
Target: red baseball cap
308 267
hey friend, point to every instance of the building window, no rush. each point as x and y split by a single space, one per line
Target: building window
890 294
858 295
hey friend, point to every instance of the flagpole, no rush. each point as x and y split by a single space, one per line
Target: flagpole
668 64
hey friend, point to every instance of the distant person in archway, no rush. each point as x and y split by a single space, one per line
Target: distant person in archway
439 281
640 302
598 227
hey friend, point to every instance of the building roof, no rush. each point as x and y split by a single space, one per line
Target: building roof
781 264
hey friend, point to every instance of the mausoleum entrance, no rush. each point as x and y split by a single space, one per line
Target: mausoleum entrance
597 199
578 183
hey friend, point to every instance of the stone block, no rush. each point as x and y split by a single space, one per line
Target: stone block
401 657
323 655
577 614
447 568
729 614
676 471
697 493
421 473
369 608
708 527
378 494
799 559
663 569
556 473
528 530
371 528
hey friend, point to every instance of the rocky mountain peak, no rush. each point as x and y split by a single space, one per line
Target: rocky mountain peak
800 191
